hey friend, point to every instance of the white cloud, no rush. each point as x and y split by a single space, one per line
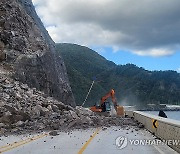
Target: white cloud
100 50
178 70
154 52
87 34
146 28
36 2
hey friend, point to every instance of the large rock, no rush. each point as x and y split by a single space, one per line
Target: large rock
28 48
84 111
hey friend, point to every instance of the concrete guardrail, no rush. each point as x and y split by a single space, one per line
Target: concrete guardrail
164 128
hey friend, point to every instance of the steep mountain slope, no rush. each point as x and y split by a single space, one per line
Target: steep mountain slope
27 50
83 59
83 64
133 85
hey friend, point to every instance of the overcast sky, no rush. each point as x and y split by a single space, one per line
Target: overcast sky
141 27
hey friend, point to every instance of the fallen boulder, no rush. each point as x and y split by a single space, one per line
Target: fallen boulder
53 133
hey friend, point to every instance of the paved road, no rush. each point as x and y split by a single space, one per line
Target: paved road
83 141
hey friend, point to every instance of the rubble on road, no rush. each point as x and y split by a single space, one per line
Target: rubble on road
24 109
53 133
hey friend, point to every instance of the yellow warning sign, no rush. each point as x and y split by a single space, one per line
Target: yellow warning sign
154 123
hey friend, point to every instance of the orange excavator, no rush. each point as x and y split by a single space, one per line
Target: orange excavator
105 106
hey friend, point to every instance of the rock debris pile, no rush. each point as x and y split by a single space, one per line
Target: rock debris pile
24 109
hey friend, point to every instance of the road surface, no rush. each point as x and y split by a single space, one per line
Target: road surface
96 140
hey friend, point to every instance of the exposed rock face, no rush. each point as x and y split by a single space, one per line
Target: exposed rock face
28 50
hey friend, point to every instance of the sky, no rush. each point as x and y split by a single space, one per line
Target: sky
144 33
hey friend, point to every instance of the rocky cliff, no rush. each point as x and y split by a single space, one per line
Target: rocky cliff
27 51
27 55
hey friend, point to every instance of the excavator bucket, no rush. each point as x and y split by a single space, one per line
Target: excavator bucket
120 110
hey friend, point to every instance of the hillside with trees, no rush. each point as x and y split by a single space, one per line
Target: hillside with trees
133 85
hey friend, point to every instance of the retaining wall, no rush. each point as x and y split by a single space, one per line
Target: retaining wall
164 128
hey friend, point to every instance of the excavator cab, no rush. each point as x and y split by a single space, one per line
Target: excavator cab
106 107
